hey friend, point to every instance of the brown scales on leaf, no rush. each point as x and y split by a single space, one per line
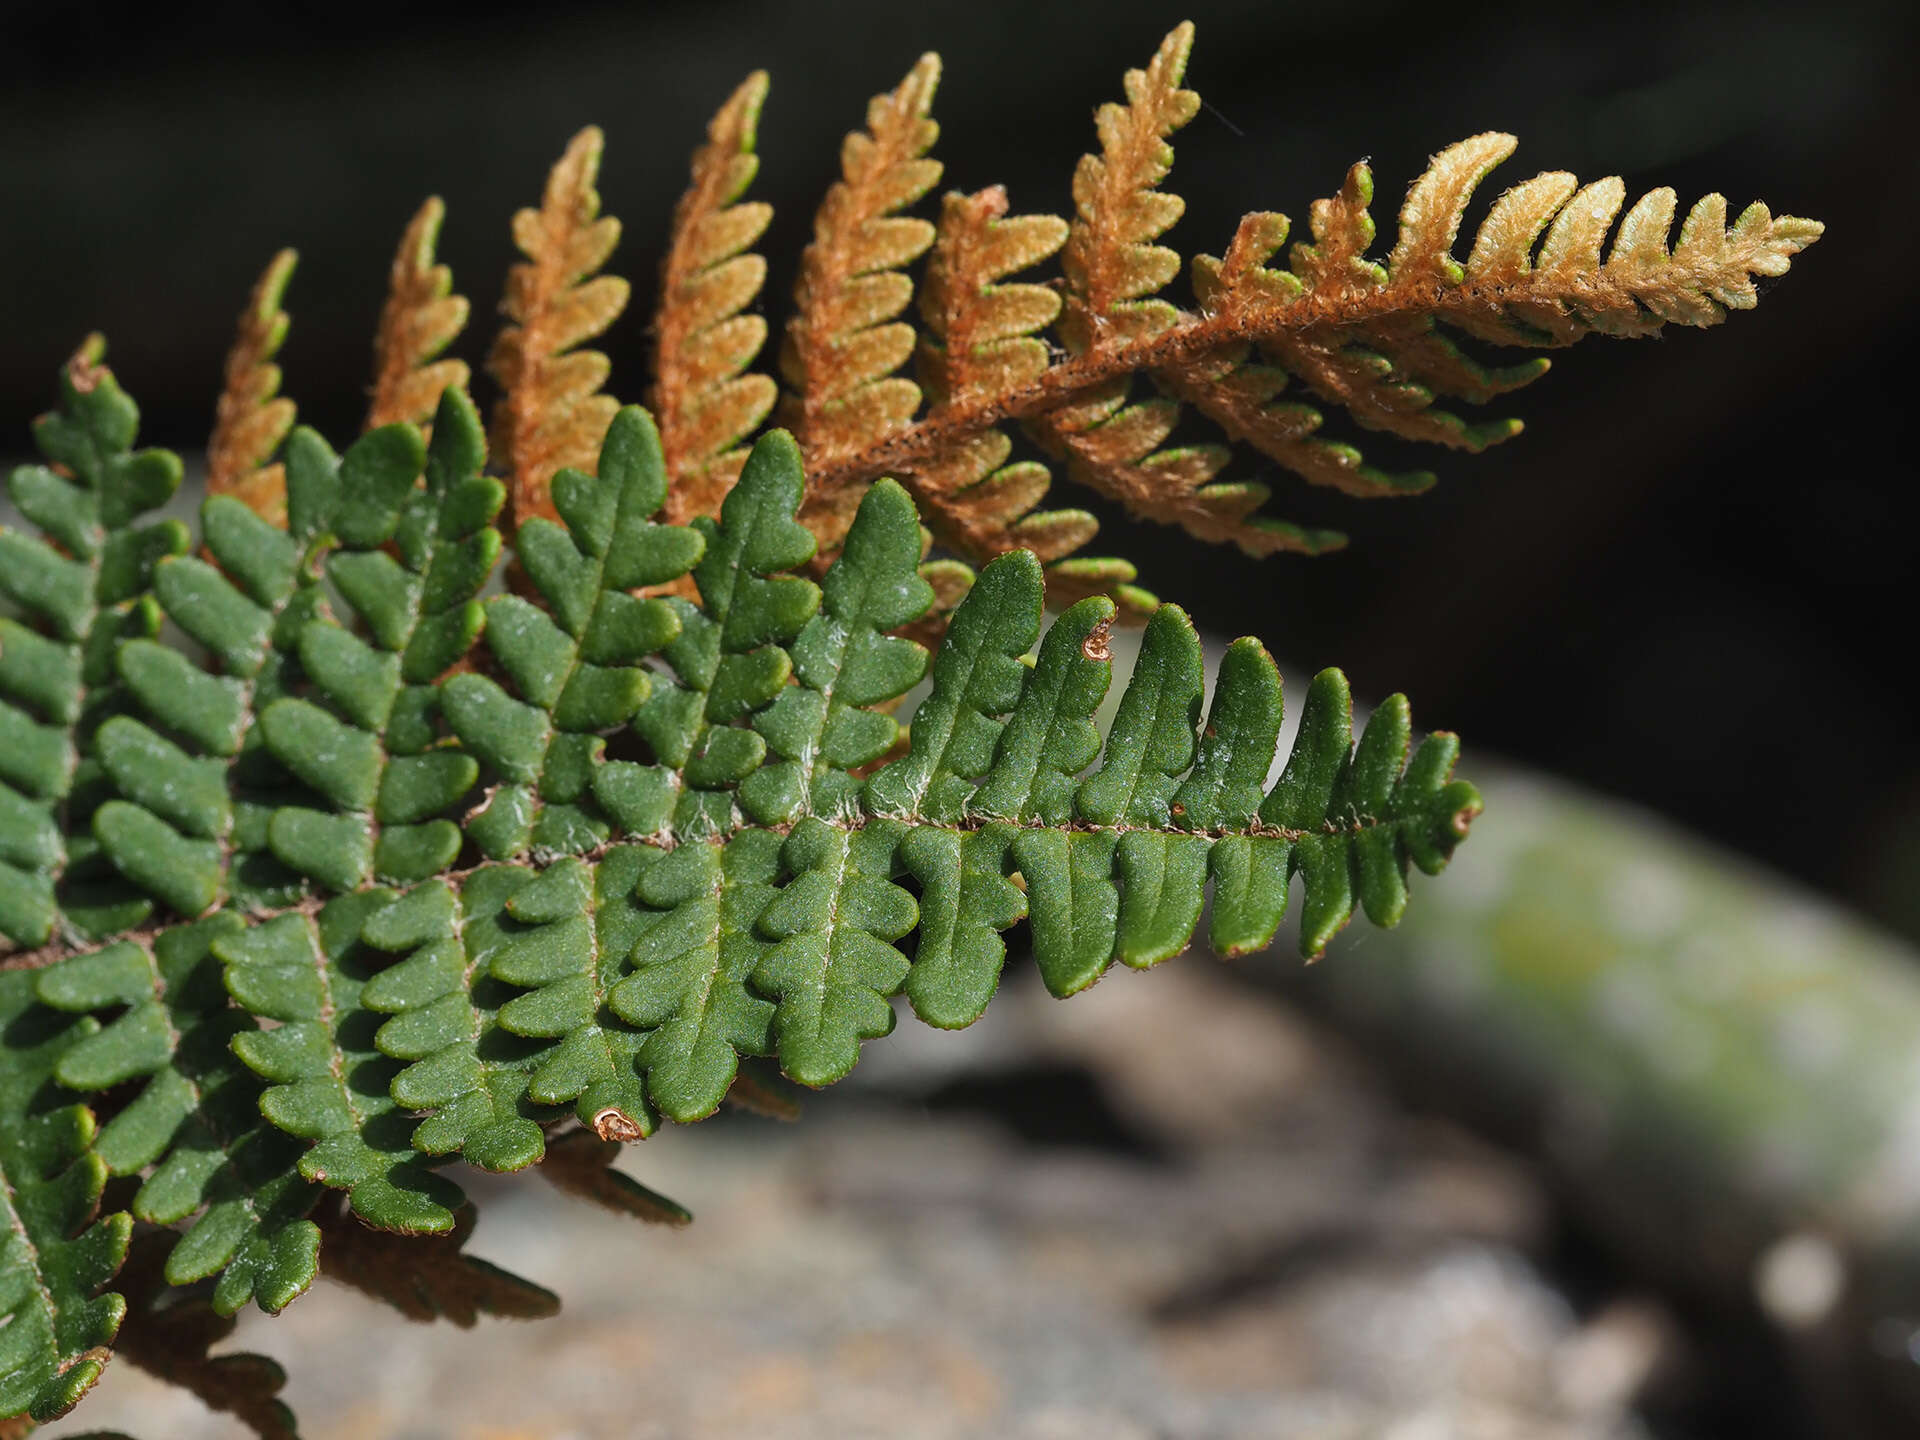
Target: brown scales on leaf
420 319
551 414
252 417
703 403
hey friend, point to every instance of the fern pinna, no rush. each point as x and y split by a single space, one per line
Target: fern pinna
395 866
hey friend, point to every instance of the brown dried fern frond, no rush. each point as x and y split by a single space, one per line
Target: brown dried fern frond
1275 336
702 401
252 417
1110 261
844 342
551 413
421 318
1266 347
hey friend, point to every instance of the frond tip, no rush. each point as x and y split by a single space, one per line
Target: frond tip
705 405
551 413
421 318
1377 339
843 343
252 417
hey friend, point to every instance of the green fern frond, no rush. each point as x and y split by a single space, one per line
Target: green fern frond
634 929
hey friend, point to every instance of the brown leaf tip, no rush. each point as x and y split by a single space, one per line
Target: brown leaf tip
1464 817
615 1124
84 370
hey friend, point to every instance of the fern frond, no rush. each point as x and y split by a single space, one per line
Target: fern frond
844 343
422 316
1111 264
979 505
980 340
1378 339
327 1082
551 414
634 929
252 417
1114 271
408 560
212 770
332 899
632 980
980 336
701 400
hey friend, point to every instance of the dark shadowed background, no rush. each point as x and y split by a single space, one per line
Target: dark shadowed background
1689 582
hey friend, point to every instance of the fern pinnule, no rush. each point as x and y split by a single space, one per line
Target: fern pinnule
702 401
843 343
980 340
979 506
1110 261
950 580
251 417
1077 577
421 318
981 333
551 414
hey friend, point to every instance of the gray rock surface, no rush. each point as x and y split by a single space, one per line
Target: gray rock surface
1273 1252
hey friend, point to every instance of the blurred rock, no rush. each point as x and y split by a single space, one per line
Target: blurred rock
1261 1248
